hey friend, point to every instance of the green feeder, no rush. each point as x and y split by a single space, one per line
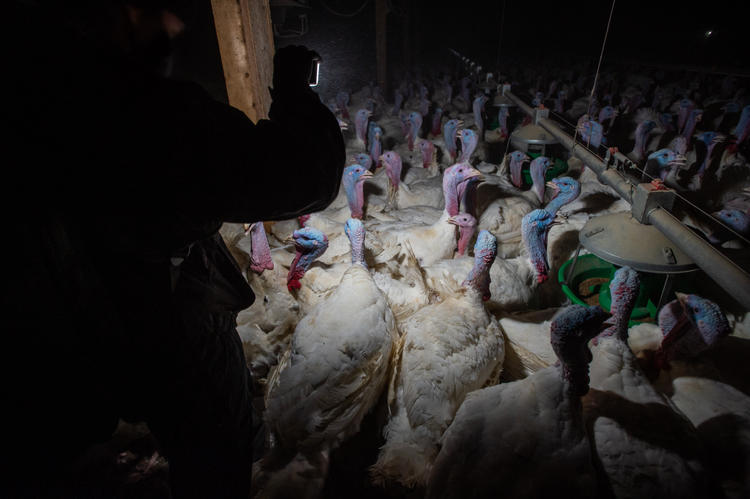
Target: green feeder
590 286
617 240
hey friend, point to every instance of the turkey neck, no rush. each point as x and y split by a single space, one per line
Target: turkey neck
534 252
479 276
559 201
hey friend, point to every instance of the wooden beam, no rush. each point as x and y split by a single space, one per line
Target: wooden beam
381 45
245 36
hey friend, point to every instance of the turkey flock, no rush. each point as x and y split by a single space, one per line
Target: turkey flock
420 315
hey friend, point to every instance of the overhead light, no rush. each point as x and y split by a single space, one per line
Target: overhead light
708 33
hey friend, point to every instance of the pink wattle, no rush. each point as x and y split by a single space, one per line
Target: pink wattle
303 219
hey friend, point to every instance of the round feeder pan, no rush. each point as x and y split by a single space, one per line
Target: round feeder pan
620 239
558 168
531 135
617 240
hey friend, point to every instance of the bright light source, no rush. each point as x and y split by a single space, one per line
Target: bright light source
709 33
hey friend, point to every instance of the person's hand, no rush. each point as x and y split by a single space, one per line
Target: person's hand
291 68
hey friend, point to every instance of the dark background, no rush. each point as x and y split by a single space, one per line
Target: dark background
661 33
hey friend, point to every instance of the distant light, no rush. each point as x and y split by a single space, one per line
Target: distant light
709 33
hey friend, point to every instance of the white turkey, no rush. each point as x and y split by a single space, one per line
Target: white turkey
645 448
515 280
701 374
447 349
431 242
328 380
331 221
526 438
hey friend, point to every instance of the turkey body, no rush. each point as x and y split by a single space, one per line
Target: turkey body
447 350
645 448
332 374
523 439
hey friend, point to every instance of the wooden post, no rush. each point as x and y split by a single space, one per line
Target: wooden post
381 45
245 36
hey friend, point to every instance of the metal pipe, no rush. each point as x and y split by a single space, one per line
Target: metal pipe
720 268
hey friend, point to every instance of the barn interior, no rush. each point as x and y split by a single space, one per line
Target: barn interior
536 279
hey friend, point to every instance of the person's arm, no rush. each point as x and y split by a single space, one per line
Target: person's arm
288 165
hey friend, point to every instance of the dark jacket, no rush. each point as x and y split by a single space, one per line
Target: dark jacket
113 170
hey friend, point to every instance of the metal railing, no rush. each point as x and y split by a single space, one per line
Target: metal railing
721 269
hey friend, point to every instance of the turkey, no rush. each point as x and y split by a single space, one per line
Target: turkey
431 242
327 381
525 439
468 140
330 221
447 349
402 196
644 447
513 280
502 206
450 129
701 377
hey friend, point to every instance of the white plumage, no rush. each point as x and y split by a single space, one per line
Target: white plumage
447 350
329 378
523 439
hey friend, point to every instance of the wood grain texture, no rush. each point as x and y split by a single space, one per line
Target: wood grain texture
244 33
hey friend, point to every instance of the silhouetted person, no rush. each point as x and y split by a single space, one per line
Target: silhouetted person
118 174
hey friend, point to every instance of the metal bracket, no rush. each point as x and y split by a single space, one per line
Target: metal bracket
540 113
648 197
505 88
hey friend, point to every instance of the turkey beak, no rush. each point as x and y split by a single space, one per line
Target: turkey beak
682 298
453 221
367 174
247 228
474 173
679 160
